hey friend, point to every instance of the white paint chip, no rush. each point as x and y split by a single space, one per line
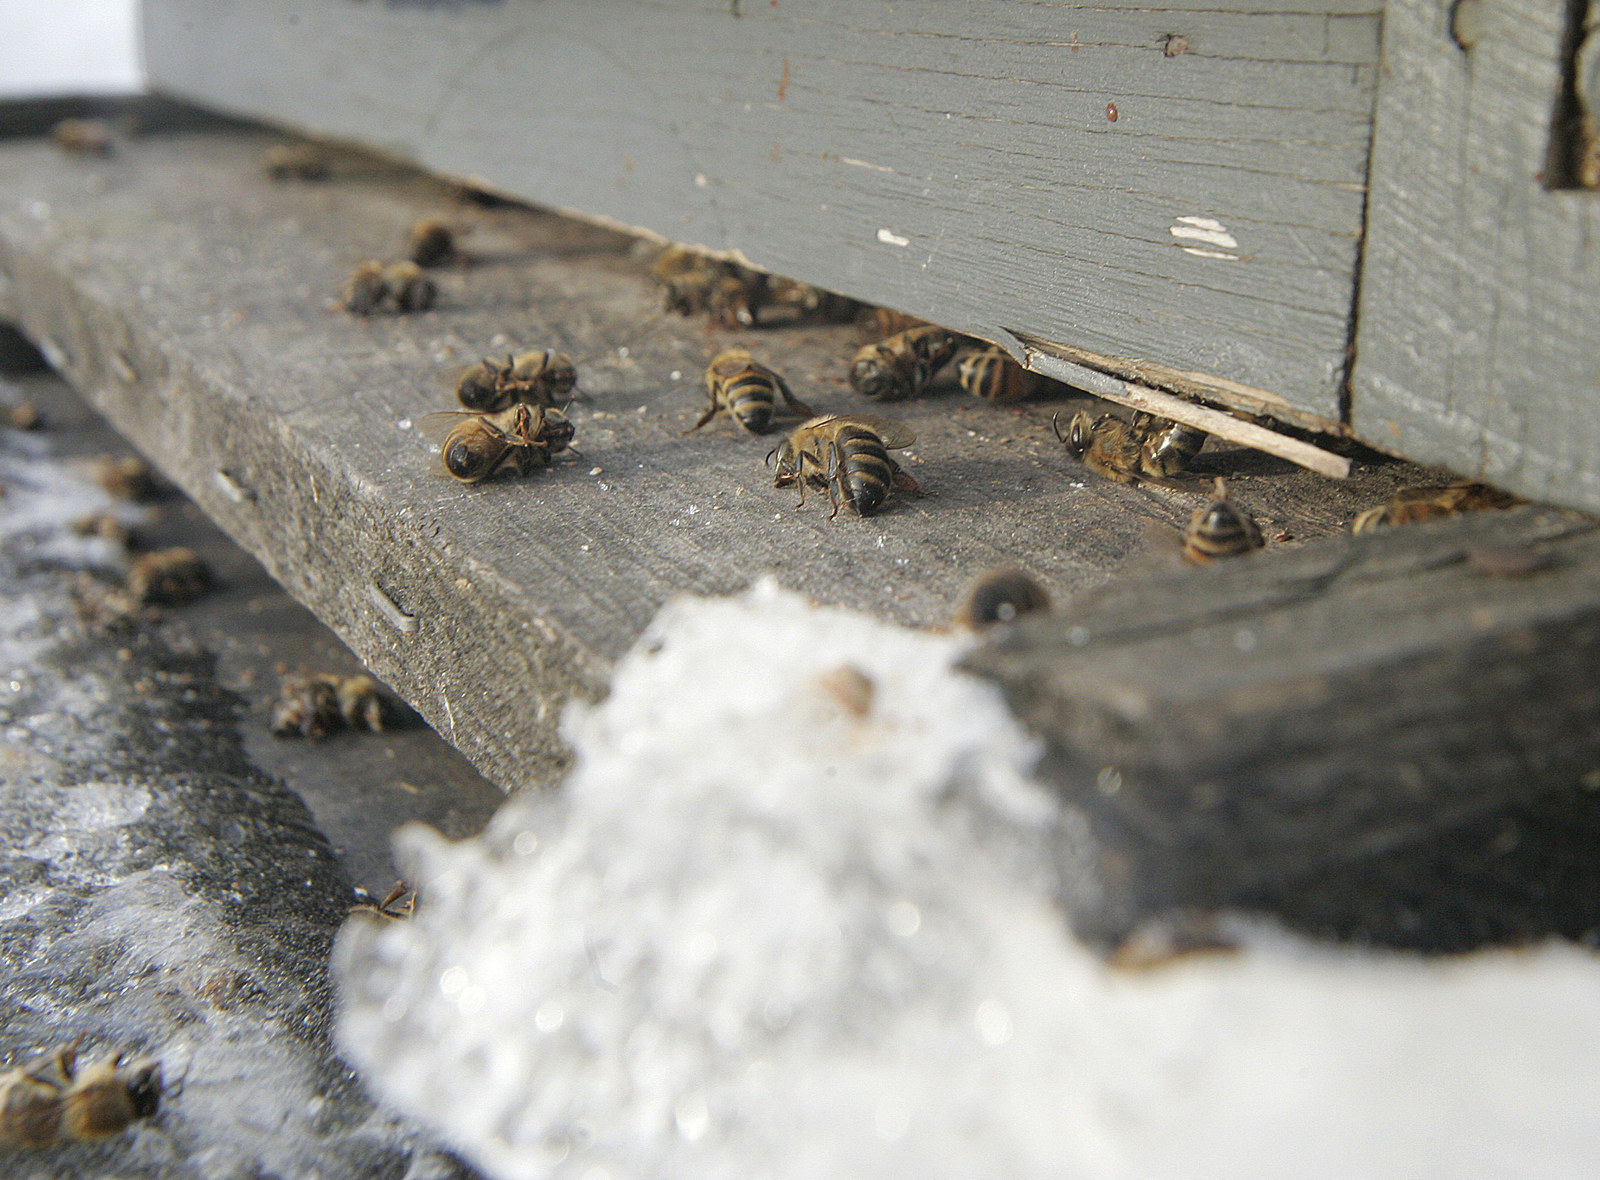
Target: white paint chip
865 164
1208 230
889 238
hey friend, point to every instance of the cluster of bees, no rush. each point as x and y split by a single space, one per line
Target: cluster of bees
316 704
53 1102
402 286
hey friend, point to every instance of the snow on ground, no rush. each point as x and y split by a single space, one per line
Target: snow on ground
80 47
791 916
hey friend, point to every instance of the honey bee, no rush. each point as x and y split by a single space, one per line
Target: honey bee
83 137
299 161
1166 447
992 375
1411 505
397 905
745 391
812 303
1220 529
692 282
430 243
538 377
1150 451
315 705
127 478
900 367
51 1103
167 577
479 445
847 457
373 286
1001 596
875 323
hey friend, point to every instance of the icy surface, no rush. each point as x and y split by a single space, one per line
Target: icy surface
761 932
158 893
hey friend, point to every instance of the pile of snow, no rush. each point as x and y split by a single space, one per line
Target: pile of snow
791 916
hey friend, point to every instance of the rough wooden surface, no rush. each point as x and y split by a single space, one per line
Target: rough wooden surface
189 298
1480 290
1178 183
1373 737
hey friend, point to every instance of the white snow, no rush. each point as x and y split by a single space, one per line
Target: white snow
82 47
759 932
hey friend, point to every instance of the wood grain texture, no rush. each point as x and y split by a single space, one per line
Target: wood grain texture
954 161
1371 737
1477 344
190 299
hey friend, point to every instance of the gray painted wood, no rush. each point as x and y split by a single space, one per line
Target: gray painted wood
1479 329
1372 737
189 299
951 160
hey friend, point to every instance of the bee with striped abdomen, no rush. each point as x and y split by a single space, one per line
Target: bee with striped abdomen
846 457
538 377
476 446
1220 529
693 282
901 366
1166 447
52 1103
991 374
745 391
1001 595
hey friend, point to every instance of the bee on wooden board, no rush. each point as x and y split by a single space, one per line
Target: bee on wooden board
875 323
1001 595
538 377
693 282
901 366
746 391
817 304
1412 505
299 161
848 458
1152 451
83 137
476 446
315 705
991 374
372 287
167 577
1220 529
430 242
53 1102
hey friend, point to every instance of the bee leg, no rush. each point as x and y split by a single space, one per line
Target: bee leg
704 418
836 479
794 403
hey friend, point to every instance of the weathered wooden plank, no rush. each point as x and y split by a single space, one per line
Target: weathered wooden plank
189 298
1480 288
1376 737
999 168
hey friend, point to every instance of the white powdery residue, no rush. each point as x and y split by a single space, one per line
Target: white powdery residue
791 915
1208 230
889 238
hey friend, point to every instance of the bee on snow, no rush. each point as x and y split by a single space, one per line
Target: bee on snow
846 457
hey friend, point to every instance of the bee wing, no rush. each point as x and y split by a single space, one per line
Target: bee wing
440 423
894 434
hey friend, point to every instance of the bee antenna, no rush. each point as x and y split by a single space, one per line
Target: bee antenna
1056 427
772 452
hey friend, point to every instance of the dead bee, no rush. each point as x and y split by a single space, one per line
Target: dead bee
106 1098
848 458
875 323
397 905
1411 505
83 137
52 1103
127 478
992 375
693 282
1000 596
410 289
812 303
1220 529
479 445
900 367
538 377
365 290
373 286
430 243
1165 447
745 391
295 161
314 705
1119 451
167 577
105 525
